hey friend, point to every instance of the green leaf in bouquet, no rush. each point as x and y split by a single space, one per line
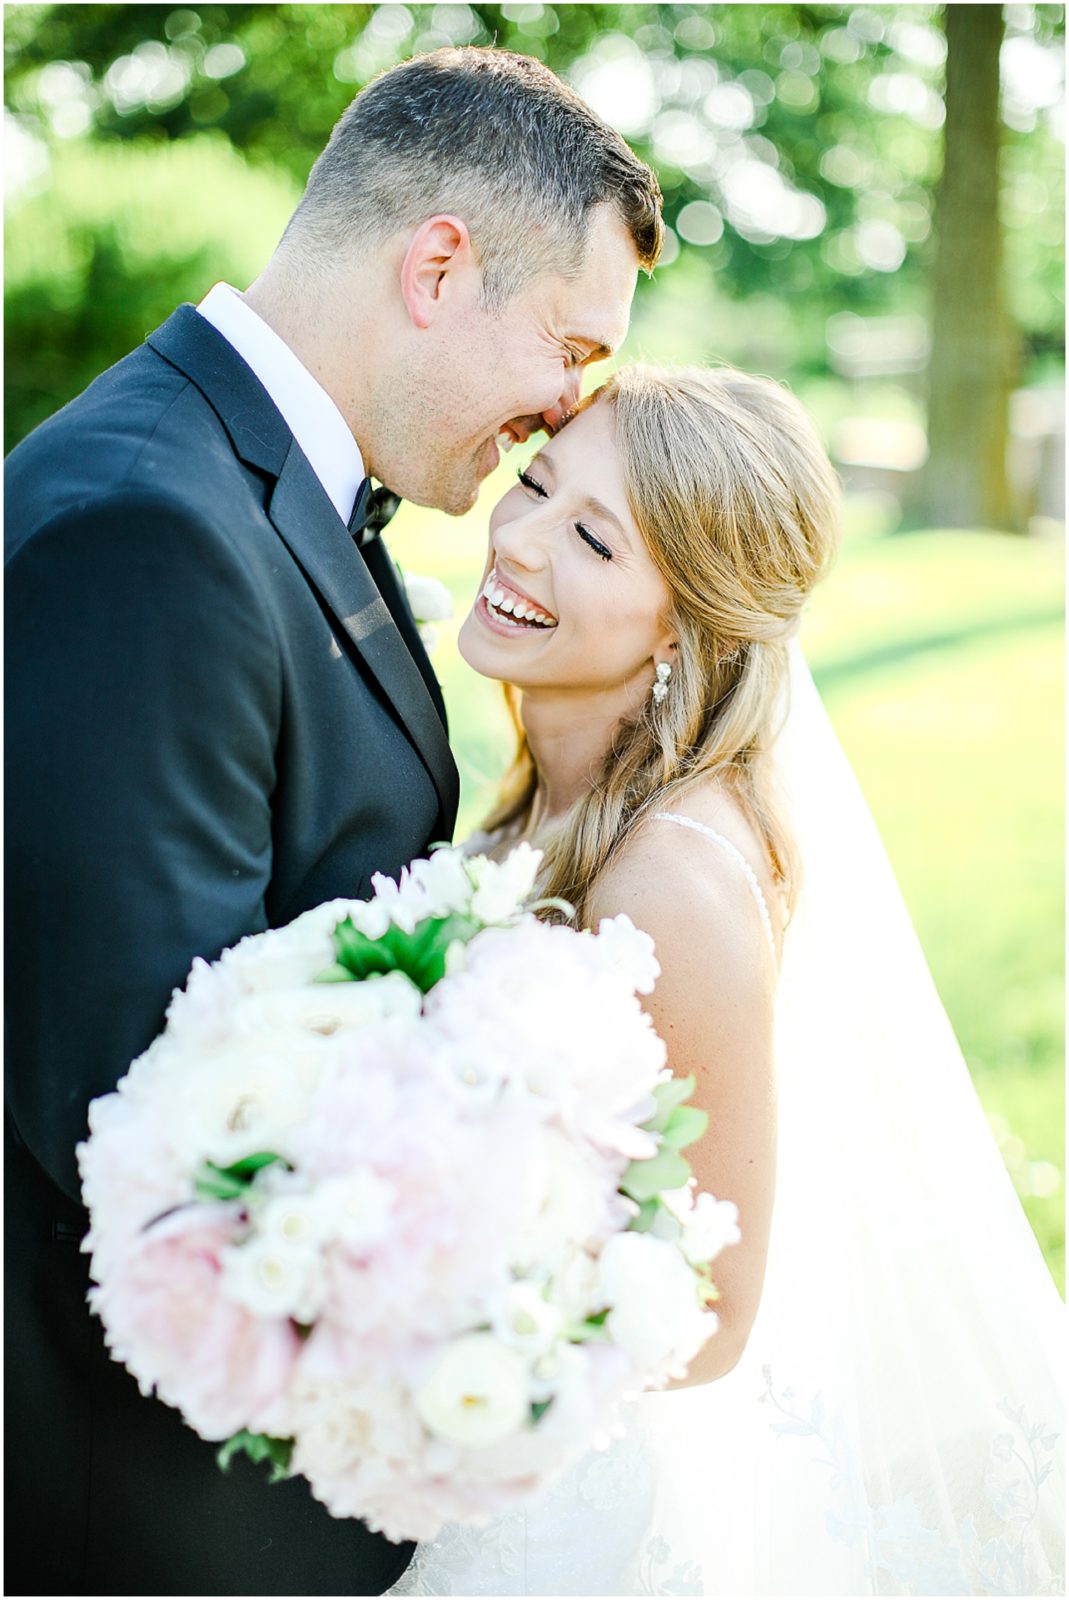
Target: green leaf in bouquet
249 1166
230 1183
668 1096
647 1216
685 1125
592 1328
539 1409
420 955
212 1183
258 1447
360 956
645 1179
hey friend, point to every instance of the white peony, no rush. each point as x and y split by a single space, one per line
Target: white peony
476 1393
654 1315
565 1204
631 950
356 1209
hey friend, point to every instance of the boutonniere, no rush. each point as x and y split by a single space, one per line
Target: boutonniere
429 601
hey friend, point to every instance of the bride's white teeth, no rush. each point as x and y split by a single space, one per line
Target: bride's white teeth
504 442
519 611
506 605
497 596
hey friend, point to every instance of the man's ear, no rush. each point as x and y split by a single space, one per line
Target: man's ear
439 254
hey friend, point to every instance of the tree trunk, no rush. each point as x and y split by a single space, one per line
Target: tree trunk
965 480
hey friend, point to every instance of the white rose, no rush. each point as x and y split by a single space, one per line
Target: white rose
631 950
525 1320
477 1393
652 1293
275 1279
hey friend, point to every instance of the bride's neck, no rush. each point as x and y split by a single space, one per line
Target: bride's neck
569 737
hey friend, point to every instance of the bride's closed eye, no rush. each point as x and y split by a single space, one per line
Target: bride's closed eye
581 529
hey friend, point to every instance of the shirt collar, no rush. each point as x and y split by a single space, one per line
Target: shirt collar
313 418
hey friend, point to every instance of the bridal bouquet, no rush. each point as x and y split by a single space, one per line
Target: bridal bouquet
396 1200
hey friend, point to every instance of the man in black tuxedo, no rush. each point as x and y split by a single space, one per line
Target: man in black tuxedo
219 712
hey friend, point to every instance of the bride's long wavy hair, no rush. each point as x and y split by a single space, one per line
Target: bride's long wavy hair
737 502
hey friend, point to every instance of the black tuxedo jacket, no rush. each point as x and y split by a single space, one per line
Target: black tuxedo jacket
218 714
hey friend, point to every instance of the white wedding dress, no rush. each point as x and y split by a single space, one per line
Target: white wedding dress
895 1426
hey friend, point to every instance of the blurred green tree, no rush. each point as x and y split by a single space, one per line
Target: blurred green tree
798 145
965 482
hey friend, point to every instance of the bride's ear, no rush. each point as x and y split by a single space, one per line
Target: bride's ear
439 259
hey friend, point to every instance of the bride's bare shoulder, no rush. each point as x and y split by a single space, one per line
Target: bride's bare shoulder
693 895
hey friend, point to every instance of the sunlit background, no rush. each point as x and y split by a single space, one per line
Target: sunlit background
835 211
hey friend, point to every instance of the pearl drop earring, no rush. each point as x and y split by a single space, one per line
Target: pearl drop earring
660 686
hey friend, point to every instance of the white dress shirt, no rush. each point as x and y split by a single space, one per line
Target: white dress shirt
314 420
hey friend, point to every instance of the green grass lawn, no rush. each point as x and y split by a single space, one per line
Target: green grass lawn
940 657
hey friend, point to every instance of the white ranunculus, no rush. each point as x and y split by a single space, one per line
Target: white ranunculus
652 1293
272 1278
525 1320
575 1287
476 1393
711 1226
243 1099
428 597
324 1010
502 887
631 950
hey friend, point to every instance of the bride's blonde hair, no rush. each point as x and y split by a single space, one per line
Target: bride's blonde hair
737 503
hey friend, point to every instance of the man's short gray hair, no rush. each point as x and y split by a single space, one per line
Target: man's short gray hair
491 137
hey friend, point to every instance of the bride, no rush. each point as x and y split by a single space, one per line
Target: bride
881 1410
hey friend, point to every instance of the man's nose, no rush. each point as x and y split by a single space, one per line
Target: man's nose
569 397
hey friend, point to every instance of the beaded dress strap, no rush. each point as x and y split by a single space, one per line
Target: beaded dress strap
733 851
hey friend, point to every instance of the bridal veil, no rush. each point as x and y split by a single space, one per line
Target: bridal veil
896 1423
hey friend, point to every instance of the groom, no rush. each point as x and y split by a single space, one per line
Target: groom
219 712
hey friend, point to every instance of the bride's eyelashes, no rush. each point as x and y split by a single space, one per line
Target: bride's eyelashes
584 532
595 544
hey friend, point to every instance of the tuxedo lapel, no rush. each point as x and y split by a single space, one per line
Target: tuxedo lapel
319 540
382 568
304 517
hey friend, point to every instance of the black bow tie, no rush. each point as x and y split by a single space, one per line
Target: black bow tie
371 512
